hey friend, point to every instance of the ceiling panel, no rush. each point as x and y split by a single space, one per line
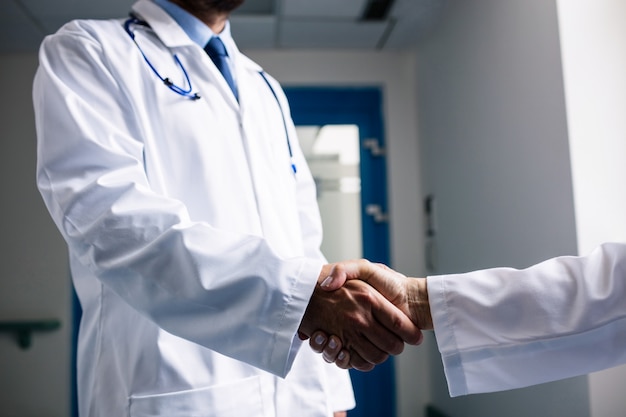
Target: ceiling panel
323 8
257 7
332 34
52 14
413 21
258 24
84 8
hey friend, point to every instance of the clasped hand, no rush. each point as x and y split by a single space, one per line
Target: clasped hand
370 310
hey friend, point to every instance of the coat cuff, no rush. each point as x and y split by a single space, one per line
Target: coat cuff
287 343
446 337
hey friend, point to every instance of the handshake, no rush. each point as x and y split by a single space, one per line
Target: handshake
361 312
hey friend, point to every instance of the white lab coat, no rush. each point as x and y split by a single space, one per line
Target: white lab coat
502 328
193 247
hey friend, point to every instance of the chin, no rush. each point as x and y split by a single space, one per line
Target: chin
222 6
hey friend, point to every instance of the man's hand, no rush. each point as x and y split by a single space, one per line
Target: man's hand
409 294
369 326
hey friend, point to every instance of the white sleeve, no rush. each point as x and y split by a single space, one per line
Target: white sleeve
503 328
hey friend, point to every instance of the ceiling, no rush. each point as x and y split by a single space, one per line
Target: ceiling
258 24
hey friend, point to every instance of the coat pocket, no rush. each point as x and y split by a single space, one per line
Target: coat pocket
234 399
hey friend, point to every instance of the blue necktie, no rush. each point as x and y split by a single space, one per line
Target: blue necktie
217 51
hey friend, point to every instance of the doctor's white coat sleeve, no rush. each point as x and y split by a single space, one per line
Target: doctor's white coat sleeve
502 328
185 275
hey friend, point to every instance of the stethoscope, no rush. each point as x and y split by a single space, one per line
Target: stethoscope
187 91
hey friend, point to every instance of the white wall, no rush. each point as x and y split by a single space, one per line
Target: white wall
34 281
594 64
395 73
493 136
593 38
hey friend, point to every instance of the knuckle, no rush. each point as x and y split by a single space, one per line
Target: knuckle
365 295
396 322
363 263
339 269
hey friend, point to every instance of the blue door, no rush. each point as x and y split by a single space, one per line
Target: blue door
375 390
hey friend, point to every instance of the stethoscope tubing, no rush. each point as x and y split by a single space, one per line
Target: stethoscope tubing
188 92
175 88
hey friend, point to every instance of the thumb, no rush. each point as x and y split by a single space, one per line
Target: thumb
334 276
335 279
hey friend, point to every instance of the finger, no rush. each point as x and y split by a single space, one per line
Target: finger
343 271
367 350
343 359
332 349
340 272
364 333
360 364
383 339
378 333
396 322
318 341
388 282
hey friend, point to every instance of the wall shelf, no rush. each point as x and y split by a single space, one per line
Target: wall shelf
23 329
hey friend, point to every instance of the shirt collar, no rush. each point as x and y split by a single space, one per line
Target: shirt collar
197 31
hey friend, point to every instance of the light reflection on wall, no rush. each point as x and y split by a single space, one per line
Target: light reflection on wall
332 152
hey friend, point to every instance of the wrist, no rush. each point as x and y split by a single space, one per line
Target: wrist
418 303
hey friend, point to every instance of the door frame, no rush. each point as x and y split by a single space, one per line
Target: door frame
361 106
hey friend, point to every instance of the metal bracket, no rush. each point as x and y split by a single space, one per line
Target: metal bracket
376 211
374 146
23 329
